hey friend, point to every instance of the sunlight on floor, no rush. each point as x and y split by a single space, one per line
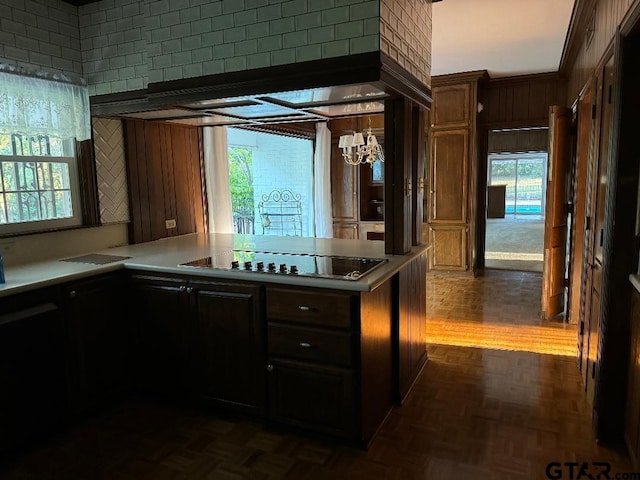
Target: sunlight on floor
513 256
553 340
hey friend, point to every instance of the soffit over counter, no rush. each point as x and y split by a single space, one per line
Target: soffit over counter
313 92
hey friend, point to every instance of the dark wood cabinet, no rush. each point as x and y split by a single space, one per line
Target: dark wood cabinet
99 342
632 414
313 395
228 356
161 306
201 341
32 369
410 342
329 359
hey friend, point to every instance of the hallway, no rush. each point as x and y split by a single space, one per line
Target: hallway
478 411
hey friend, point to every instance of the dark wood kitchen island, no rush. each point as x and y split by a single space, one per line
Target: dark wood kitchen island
327 355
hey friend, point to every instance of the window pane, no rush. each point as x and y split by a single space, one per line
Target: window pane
503 172
62 204
27 176
5 145
29 207
44 176
46 206
45 187
530 176
60 175
9 172
13 207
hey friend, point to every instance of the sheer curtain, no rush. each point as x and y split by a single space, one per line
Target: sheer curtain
216 171
41 106
322 182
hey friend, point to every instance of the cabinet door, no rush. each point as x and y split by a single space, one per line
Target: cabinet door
163 312
100 341
344 186
448 169
311 396
345 230
451 106
228 356
449 247
411 330
32 371
632 417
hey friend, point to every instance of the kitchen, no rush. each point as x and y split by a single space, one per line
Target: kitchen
71 243
381 351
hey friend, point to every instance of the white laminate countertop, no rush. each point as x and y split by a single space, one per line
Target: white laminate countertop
166 255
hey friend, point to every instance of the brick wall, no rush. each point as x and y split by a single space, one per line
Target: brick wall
114 47
405 35
280 163
122 45
40 34
127 44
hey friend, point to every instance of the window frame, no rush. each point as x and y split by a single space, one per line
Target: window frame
35 226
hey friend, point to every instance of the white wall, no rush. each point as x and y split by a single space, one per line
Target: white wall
279 163
64 244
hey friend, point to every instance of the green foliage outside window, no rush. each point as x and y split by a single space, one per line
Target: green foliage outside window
241 180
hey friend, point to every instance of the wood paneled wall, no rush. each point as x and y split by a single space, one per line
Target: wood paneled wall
587 49
521 101
531 140
164 170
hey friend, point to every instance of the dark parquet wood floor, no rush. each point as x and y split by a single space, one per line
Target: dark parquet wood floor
497 412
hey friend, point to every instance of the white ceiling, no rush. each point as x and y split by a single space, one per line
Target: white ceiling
504 37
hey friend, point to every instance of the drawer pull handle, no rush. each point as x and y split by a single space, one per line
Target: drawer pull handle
305 344
304 308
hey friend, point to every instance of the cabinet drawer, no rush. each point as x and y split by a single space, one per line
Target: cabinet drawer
310 344
310 307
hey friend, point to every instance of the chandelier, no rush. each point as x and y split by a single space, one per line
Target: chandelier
355 150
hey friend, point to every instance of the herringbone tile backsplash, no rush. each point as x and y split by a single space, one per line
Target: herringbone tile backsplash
111 170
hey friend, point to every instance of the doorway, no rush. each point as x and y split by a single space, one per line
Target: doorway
516 191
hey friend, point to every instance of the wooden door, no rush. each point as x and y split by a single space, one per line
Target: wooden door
227 360
451 106
449 247
345 230
448 174
161 307
345 178
596 212
555 229
319 397
577 254
32 370
100 337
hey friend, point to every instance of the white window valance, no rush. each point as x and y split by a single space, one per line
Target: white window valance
36 106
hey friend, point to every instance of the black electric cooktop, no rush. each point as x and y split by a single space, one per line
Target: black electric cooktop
265 263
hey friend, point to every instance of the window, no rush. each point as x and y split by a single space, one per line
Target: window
264 167
38 183
39 122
